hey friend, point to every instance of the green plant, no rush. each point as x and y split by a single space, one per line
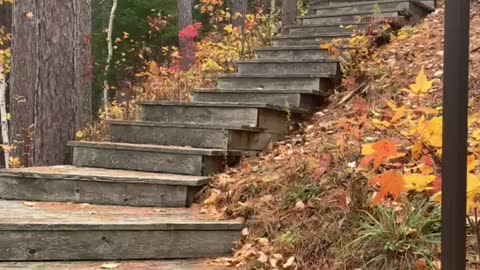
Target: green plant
396 239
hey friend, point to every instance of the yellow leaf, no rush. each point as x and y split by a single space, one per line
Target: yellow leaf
472 119
380 124
418 182
422 84
367 149
476 134
417 150
14 162
79 135
399 112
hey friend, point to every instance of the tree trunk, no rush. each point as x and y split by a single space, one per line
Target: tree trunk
239 10
185 19
289 13
6 17
50 96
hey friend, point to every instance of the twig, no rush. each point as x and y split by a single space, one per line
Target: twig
350 95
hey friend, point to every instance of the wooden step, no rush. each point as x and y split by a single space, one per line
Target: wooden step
154 158
65 231
372 7
345 27
309 39
194 135
99 186
303 99
355 17
316 82
293 52
192 264
325 66
273 119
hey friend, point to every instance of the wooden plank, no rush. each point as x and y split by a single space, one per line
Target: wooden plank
111 158
51 216
114 245
95 192
68 172
195 264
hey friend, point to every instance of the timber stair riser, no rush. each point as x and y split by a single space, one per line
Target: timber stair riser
305 101
218 138
87 244
268 119
99 186
322 83
344 28
306 53
348 18
371 8
288 67
175 162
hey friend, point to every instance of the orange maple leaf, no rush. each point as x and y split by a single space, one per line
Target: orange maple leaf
379 152
391 183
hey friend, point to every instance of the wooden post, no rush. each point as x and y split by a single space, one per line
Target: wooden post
455 134
289 14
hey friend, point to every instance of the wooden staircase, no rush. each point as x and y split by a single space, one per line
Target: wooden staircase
130 198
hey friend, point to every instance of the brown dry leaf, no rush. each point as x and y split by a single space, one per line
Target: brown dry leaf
323 165
290 262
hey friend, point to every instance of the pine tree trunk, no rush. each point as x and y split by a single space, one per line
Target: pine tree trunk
50 95
289 13
6 17
185 19
239 10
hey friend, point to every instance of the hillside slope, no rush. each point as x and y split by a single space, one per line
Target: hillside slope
326 198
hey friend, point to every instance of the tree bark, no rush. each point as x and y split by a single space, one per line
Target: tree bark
289 13
239 10
185 19
50 96
6 17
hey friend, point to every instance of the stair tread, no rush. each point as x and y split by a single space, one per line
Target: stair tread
312 75
354 4
55 216
69 172
224 104
390 10
183 125
193 264
327 35
269 61
259 91
327 24
161 148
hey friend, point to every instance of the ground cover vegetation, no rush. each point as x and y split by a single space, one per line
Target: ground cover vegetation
359 185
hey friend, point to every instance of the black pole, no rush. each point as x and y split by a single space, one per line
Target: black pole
455 132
